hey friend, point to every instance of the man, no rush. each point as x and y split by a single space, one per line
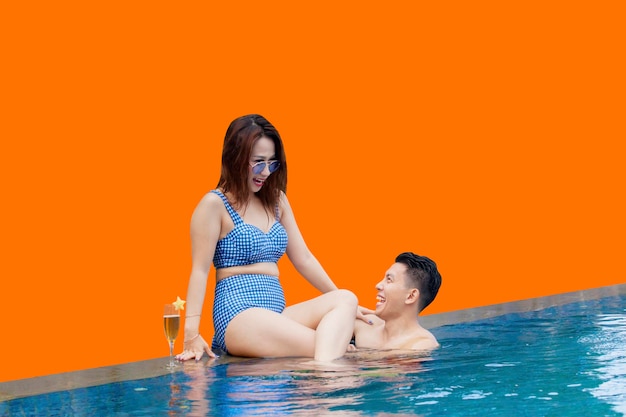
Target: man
409 286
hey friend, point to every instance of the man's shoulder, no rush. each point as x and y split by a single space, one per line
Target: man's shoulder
368 335
424 340
376 322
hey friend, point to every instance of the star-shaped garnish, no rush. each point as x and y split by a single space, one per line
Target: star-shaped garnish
179 304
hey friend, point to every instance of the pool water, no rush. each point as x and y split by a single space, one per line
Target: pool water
568 360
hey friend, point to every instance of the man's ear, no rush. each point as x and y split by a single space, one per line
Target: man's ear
413 296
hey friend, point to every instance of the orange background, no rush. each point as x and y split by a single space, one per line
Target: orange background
487 136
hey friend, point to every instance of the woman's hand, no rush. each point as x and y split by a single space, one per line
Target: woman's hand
361 312
195 348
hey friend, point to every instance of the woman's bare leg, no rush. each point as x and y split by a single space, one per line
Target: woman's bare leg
320 328
334 327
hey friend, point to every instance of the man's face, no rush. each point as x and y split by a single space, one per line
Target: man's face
392 291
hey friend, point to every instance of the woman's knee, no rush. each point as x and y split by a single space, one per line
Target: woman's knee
347 297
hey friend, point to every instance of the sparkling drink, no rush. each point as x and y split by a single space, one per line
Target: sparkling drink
171 324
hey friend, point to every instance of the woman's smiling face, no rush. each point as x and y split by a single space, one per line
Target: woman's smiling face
263 150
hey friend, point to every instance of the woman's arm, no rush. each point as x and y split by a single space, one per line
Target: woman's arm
304 261
205 232
299 254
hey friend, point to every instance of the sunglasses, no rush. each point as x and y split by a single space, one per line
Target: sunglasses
258 167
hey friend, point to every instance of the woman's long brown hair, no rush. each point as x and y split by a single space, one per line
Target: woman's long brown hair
240 137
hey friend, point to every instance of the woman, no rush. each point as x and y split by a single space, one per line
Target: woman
244 226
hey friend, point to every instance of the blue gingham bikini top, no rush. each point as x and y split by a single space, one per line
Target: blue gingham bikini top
246 244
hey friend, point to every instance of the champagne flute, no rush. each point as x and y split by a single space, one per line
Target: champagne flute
171 323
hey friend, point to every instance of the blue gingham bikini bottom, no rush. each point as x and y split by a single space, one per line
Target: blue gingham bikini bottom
241 292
